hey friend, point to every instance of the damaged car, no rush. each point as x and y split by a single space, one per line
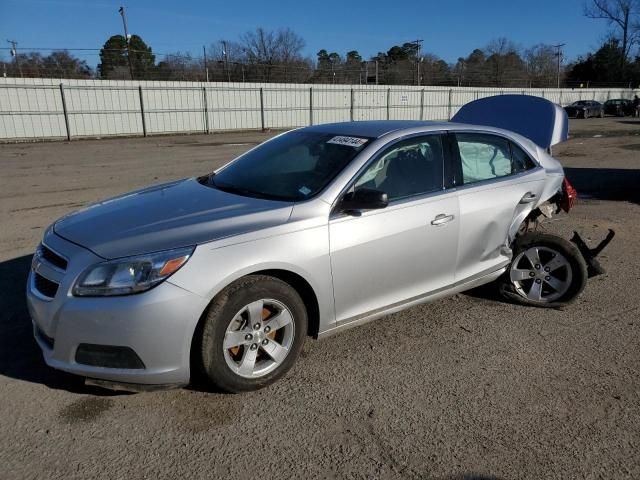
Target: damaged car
314 231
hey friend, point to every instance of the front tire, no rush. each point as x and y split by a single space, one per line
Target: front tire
546 271
252 334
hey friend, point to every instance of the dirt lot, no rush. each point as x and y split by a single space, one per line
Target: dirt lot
467 387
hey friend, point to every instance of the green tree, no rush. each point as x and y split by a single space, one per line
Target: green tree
353 57
396 53
604 66
115 64
323 59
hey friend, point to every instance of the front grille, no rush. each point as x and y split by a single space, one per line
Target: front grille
52 257
108 356
45 286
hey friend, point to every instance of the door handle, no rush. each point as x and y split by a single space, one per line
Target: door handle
528 197
442 219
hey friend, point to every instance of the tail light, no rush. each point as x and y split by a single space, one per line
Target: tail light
569 196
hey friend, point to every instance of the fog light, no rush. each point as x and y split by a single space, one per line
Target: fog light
108 356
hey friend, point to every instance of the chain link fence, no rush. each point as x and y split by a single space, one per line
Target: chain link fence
38 109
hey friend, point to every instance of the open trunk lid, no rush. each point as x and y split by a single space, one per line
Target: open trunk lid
541 121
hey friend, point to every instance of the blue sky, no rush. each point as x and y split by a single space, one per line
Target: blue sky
450 29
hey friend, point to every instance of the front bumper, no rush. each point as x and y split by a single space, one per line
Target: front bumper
157 325
574 113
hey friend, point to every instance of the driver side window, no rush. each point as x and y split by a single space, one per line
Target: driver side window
408 168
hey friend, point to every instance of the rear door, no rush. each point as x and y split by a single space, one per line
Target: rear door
497 181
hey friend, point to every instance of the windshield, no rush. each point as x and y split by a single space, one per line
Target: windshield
292 167
580 102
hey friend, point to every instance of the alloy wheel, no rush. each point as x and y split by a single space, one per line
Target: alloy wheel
259 338
541 274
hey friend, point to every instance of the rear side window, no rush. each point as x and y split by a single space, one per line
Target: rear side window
486 157
521 160
483 157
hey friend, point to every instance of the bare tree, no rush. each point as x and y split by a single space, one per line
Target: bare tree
273 48
505 66
289 45
233 51
624 15
541 65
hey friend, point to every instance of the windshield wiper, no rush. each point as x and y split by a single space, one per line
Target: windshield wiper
237 190
206 179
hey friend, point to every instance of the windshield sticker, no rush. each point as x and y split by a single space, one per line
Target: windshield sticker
305 190
354 142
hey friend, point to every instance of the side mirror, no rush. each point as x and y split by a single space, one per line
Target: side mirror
364 199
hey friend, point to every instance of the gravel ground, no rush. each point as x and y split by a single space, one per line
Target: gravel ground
467 387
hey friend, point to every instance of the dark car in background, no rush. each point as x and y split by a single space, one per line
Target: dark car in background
619 107
585 109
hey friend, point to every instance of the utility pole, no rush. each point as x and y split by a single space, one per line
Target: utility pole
126 39
333 73
418 44
559 55
376 72
206 69
225 57
14 54
460 72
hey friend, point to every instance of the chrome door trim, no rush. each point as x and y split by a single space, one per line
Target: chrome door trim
516 178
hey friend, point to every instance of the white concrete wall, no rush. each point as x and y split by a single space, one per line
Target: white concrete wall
33 108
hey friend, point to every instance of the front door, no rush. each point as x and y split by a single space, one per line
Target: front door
384 257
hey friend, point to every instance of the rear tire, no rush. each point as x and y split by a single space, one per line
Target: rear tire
252 334
546 271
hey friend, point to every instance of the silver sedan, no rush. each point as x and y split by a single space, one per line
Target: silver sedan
316 230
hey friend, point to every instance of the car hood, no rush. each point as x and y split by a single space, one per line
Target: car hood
166 216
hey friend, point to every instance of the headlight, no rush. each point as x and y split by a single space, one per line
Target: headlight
130 275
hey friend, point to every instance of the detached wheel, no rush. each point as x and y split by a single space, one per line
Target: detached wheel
547 271
252 334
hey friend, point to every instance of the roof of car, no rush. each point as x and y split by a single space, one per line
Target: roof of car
373 128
